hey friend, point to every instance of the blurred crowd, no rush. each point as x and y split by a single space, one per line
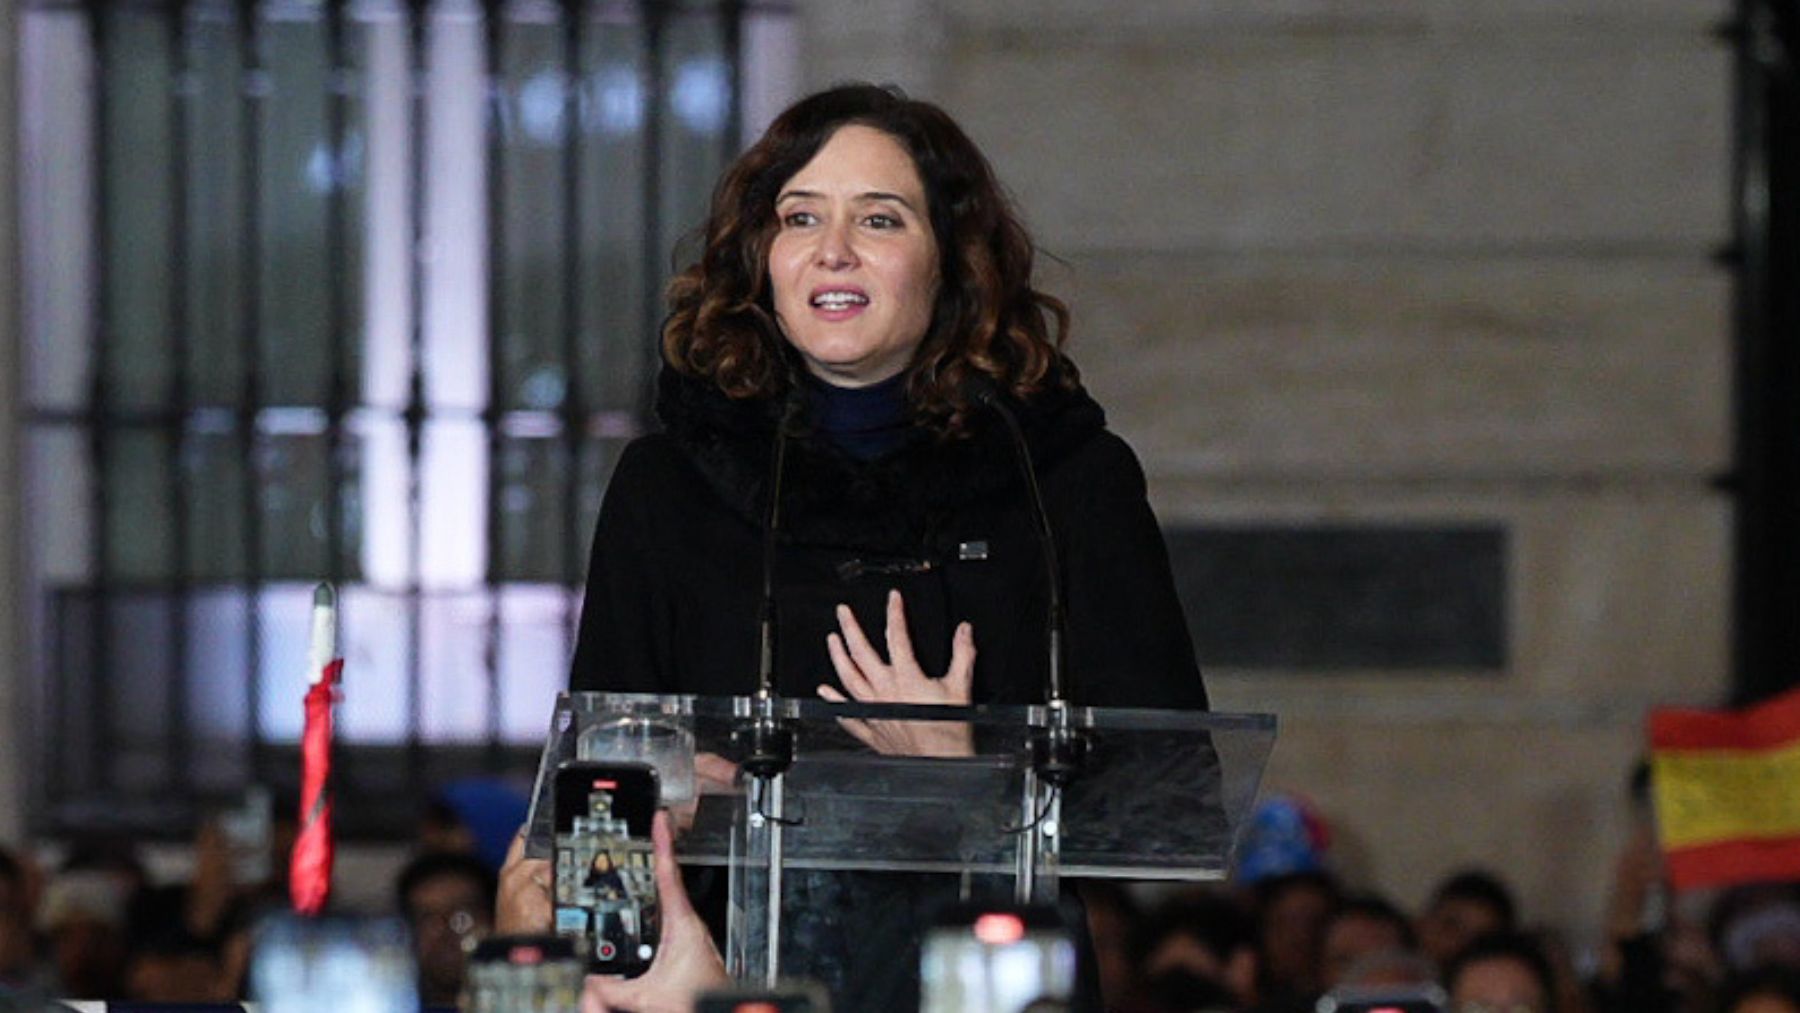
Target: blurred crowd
95 925
1282 933
1279 944
1287 931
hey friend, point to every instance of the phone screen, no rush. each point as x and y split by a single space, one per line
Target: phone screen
605 879
791 997
523 974
299 965
1400 1000
1001 958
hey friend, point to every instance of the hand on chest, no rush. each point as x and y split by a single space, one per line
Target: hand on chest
975 577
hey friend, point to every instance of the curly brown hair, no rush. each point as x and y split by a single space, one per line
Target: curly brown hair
988 318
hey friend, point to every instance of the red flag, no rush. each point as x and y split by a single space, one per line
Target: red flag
1728 792
309 868
309 871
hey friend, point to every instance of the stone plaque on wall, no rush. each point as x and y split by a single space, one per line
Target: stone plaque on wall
1351 597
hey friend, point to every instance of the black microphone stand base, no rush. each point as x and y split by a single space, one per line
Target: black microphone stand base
1058 754
767 744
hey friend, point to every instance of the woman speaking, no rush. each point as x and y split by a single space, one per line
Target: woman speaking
863 276
863 298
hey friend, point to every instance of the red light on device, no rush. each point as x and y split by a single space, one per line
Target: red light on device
525 955
997 929
604 785
756 1007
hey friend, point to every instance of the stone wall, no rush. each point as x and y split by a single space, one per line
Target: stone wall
1395 263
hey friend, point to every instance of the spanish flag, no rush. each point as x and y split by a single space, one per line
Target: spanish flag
1727 787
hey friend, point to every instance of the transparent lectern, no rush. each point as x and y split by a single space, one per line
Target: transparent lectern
1161 795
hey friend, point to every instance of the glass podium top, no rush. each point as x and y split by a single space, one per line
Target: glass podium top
1162 794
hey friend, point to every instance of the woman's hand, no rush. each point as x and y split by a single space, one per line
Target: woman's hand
869 679
686 962
523 905
713 775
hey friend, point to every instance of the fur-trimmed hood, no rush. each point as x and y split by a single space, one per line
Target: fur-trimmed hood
829 498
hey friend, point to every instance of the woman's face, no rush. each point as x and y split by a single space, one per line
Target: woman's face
854 264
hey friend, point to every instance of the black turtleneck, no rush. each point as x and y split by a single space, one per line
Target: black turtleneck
863 422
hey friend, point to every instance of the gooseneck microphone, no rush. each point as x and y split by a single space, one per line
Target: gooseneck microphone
1059 750
768 743
983 392
765 664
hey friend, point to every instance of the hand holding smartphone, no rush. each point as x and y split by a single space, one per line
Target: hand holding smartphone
603 867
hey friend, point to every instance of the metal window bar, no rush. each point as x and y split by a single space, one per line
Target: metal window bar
731 21
1765 481
99 407
180 400
419 57
583 425
652 14
252 88
493 416
575 407
339 75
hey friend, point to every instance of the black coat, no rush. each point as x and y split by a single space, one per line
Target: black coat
674 587
676 571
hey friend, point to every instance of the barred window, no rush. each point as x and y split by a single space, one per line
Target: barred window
365 292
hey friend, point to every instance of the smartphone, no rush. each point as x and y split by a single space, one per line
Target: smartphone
787 997
524 974
604 879
298 965
1421 999
997 958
